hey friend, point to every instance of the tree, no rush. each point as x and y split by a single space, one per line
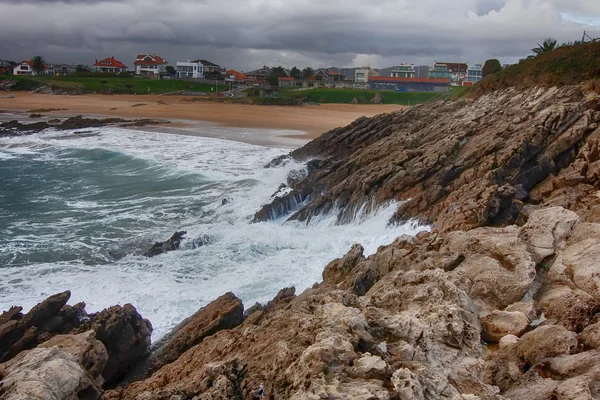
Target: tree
278 71
272 80
81 68
548 46
307 72
491 67
295 73
170 70
38 64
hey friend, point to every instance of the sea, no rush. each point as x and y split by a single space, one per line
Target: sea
79 208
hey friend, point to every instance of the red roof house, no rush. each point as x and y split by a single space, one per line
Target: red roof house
238 76
149 64
110 65
25 68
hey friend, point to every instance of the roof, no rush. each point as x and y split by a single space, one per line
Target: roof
407 80
238 75
28 63
156 60
261 71
285 78
5 63
207 63
110 62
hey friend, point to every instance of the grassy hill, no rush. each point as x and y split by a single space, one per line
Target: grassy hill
567 65
322 95
110 84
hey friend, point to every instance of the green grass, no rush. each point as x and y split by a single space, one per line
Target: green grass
111 84
323 95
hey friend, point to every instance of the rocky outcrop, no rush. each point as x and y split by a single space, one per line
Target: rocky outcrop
171 244
126 336
64 367
460 164
16 128
407 322
122 331
225 312
53 316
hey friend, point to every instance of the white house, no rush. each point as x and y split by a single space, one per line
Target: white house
190 69
149 64
24 68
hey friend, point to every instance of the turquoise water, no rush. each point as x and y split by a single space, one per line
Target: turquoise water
78 209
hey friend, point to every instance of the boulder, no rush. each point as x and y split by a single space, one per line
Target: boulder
498 324
590 336
126 336
546 341
65 367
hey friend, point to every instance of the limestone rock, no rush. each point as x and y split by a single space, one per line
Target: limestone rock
590 337
545 342
498 324
66 367
547 231
508 341
223 313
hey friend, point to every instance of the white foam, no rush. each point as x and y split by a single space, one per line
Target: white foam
252 260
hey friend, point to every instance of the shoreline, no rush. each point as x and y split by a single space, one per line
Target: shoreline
297 123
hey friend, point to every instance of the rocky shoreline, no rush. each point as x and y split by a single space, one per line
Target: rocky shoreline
500 301
18 128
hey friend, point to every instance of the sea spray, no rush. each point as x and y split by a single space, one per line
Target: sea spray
77 211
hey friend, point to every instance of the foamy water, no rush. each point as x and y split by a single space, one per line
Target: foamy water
78 209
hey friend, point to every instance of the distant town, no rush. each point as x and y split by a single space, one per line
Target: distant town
401 78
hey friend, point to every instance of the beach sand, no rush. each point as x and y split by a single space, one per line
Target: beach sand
184 110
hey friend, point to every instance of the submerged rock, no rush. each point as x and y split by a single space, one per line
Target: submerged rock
171 244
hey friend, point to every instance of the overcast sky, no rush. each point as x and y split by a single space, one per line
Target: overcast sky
245 34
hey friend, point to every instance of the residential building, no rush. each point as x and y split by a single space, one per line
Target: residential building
149 64
110 65
475 73
440 71
60 69
286 82
236 75
400 84
258 75
454 70
210 68
24 68
190 69
362 75
422 71
403 71
6 68
328 75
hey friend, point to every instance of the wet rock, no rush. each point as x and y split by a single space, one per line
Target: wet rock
498 324
65 367
126 336
171 244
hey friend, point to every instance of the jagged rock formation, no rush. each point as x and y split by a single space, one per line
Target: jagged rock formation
170 244
406 323
460 164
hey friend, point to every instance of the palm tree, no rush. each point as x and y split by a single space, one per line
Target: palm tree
38 64
548 46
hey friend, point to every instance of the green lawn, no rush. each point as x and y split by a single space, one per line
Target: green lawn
323 95
112 84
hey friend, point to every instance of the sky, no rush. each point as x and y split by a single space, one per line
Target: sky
246 34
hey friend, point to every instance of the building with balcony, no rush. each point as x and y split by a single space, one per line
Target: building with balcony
190 69
475 73
150 64
440 71
403 71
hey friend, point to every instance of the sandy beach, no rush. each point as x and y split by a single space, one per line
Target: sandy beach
312 120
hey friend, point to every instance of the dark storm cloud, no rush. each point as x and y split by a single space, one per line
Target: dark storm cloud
247 34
